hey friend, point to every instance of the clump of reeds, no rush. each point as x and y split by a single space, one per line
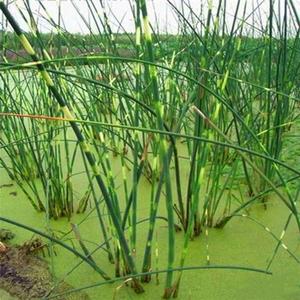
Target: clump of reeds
215 101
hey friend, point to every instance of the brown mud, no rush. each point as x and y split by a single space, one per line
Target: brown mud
25 275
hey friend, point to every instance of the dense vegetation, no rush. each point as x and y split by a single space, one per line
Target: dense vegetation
202 116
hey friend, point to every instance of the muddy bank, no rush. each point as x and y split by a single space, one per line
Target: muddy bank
25 275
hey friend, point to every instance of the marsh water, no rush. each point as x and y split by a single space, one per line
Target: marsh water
241 242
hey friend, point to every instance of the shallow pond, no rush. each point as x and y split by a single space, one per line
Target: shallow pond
241 243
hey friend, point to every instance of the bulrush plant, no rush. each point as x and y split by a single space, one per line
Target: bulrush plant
34 163
198 117
81 139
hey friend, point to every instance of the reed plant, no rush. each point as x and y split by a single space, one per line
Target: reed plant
201 119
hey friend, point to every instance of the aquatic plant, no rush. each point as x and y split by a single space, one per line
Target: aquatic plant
200 116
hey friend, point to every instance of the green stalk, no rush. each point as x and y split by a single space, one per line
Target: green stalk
50 84
163 149
291 205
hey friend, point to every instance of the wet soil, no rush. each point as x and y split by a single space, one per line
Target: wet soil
27 276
